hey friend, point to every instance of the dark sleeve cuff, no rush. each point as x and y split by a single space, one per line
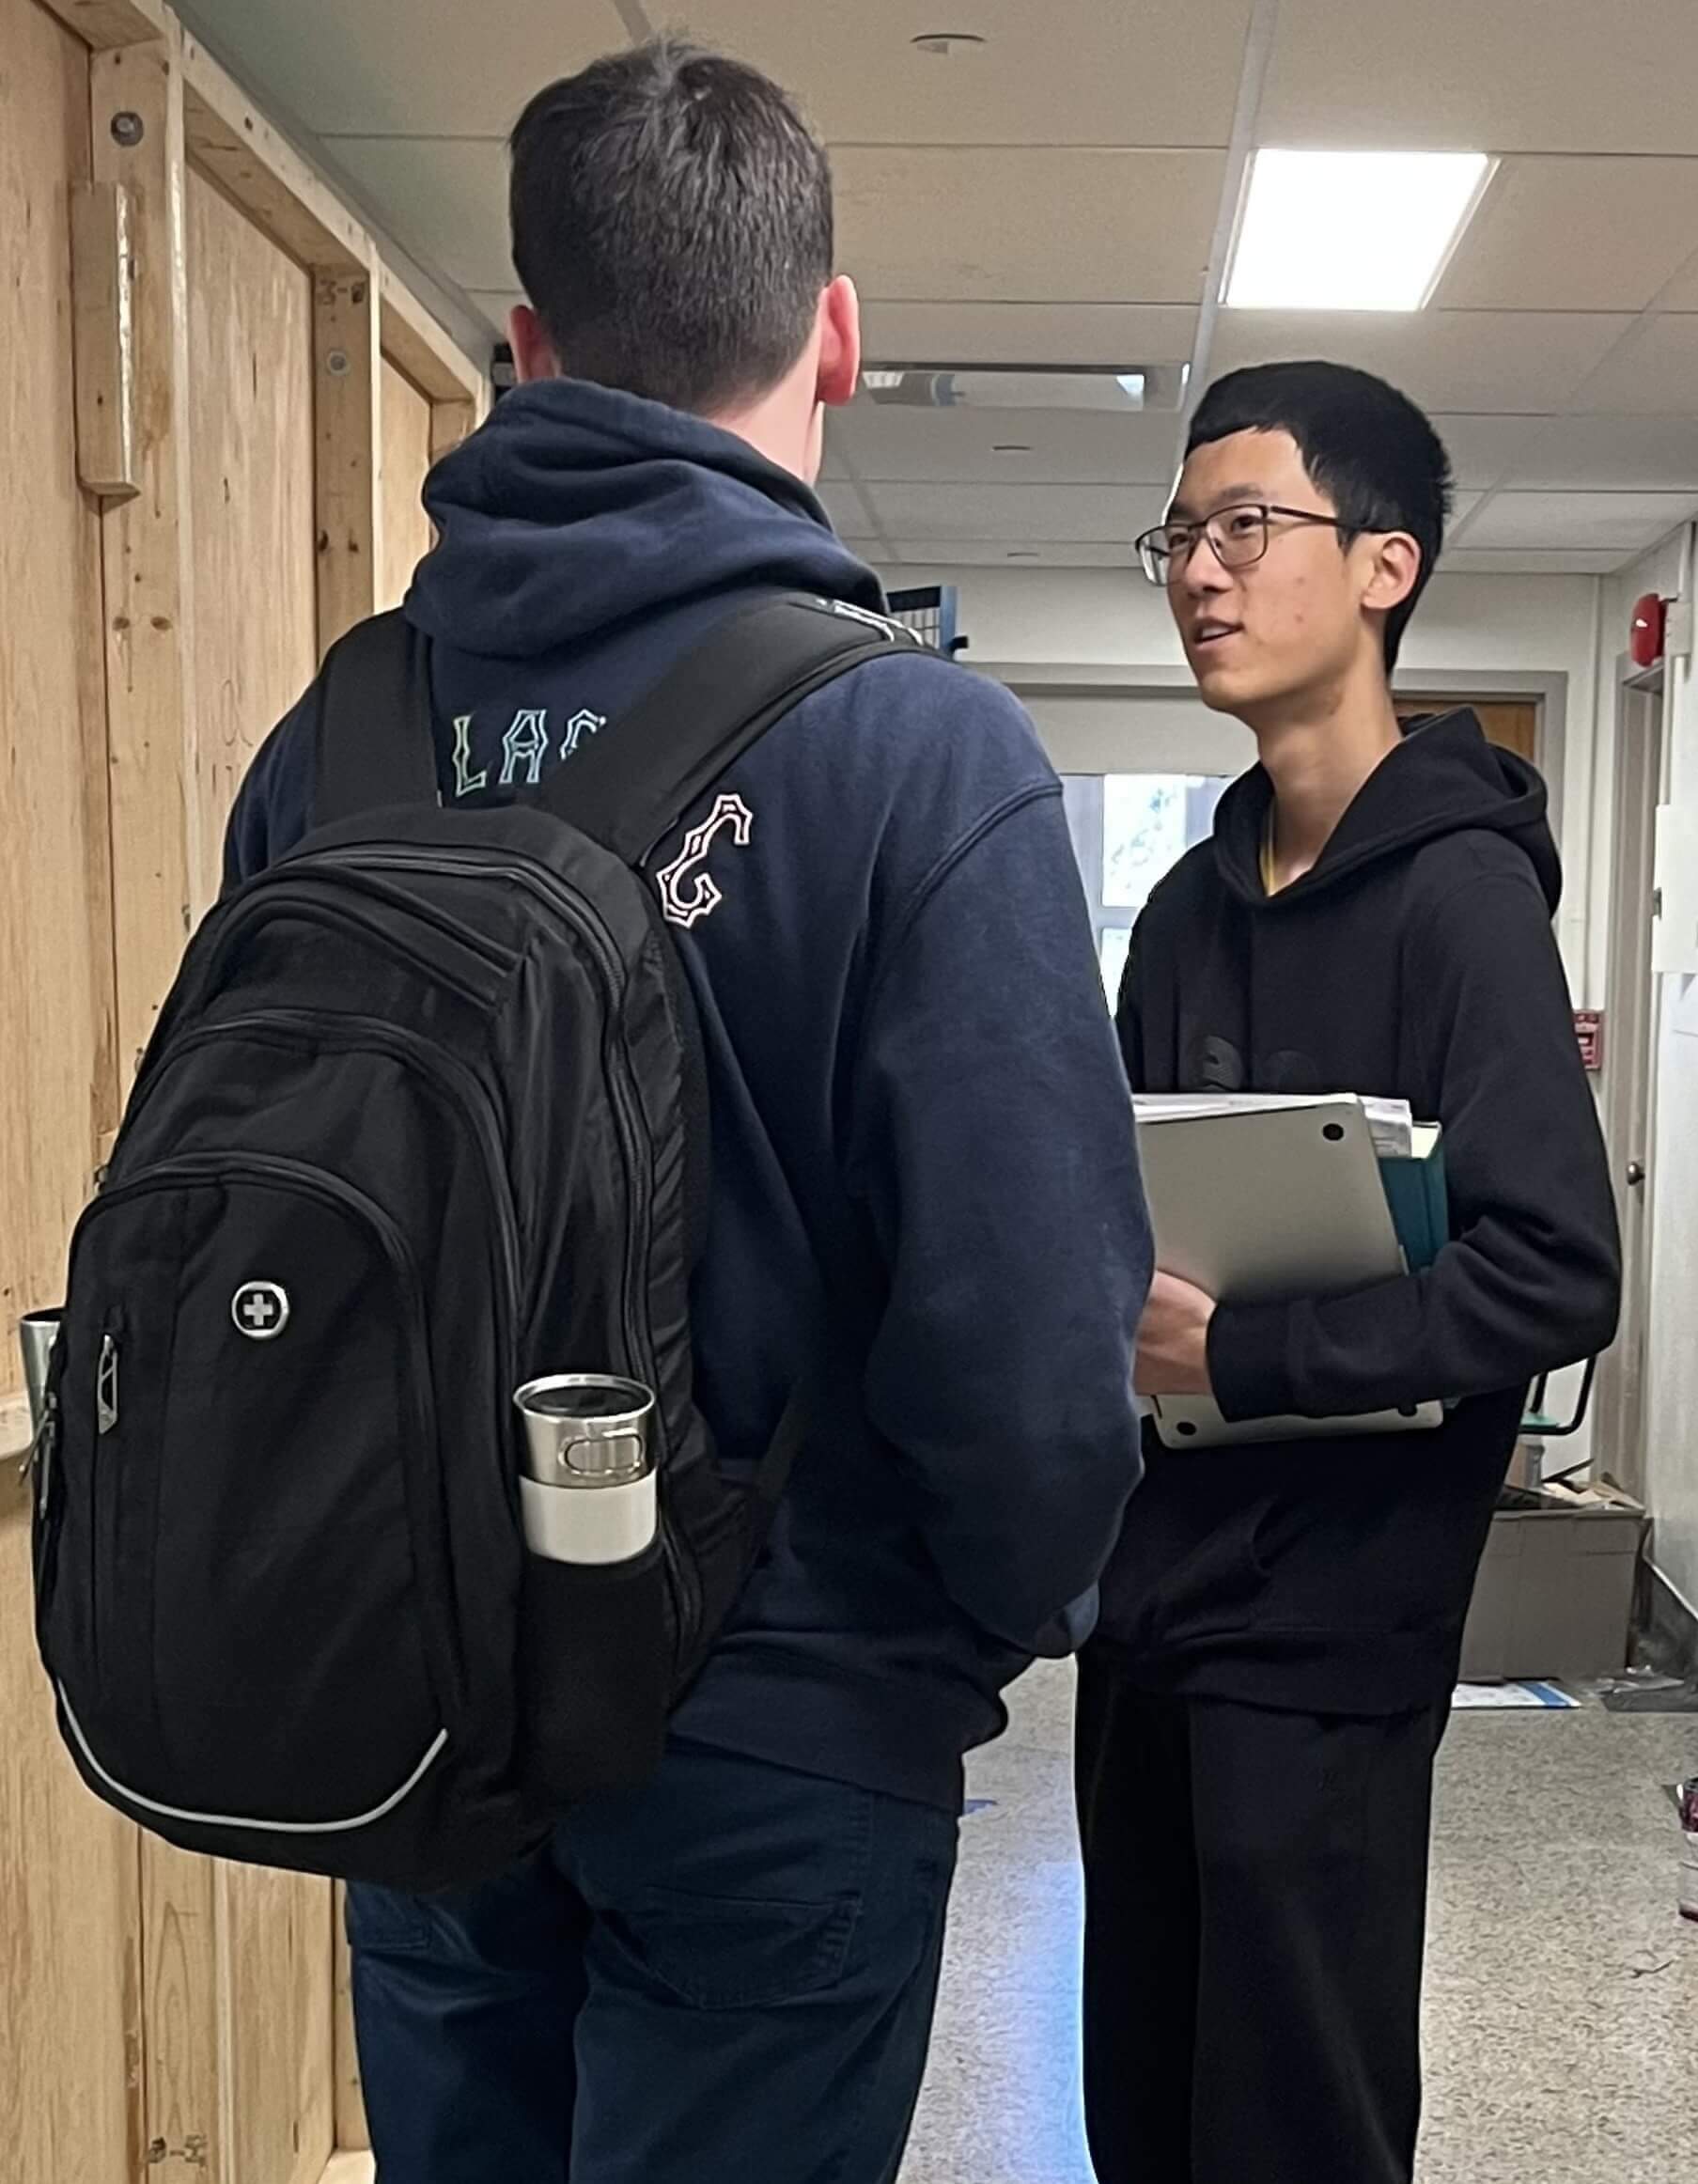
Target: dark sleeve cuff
1247 1361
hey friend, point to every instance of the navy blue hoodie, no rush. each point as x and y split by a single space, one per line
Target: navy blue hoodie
917 1096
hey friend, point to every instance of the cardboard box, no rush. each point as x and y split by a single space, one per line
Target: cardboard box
1554 1595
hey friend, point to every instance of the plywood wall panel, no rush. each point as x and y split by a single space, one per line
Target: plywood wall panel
404 531
69 2008
55 964
251 472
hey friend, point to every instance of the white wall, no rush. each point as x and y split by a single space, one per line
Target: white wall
1535 625
1670 1355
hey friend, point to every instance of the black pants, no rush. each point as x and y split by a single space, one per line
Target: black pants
1255 1907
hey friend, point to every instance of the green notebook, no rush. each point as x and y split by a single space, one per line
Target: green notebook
1414 1187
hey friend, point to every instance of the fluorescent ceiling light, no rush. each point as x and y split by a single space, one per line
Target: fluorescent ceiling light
1350 230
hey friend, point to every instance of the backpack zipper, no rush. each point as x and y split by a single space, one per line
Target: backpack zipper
444 1070
330 1190
105 1386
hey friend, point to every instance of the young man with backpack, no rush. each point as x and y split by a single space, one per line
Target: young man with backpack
922 1248
1281 1623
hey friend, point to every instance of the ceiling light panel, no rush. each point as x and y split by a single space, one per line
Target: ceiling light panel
1350 230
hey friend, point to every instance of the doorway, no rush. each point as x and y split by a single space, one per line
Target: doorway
1628 1080
1512 724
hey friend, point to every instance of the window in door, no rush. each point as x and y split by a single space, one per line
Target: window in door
1129 830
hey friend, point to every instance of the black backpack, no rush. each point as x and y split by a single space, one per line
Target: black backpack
423 1117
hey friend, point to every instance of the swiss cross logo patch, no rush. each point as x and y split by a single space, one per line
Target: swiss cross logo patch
260 1310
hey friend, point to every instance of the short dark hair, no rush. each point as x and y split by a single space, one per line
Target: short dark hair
1365 445
672 224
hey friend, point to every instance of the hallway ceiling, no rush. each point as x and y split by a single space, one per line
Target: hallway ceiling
1062 194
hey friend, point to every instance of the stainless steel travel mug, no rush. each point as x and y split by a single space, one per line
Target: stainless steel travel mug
37 1334
587 1492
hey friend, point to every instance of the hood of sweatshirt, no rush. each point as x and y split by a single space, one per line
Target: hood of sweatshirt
577 507
1444 778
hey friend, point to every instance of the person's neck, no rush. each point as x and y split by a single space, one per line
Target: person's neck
1317 756
786 424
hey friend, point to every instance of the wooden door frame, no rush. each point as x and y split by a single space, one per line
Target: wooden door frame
1548 693
1629 1089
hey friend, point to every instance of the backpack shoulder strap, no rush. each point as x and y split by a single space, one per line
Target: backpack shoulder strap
372 738
630 787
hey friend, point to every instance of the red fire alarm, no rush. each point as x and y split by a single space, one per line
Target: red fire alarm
1645 631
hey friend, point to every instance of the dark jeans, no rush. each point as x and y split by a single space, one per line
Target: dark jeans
1256 1904
726 1977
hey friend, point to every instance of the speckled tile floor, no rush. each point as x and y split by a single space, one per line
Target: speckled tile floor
1561 1998
1562 1995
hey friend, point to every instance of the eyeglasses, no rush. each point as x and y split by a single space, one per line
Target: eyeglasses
1238 538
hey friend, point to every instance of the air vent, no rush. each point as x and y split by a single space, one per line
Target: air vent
932 386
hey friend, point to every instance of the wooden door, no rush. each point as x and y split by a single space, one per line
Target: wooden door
251 498
1511 723
69 2000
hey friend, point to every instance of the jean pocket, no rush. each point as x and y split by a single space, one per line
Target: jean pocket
386 1921
734 1951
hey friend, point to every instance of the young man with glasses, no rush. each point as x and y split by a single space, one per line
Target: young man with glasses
1281 1625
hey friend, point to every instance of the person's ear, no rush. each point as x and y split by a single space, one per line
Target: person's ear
1393 570
534 354
839 370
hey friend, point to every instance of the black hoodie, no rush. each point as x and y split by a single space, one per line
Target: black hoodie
1416 960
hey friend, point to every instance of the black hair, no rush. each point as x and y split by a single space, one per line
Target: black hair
1366 446
672 224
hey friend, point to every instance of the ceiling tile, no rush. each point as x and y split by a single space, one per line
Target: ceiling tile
1682 292
1483 449
1655 374
1509 361
1070 71
1014 515
1027 554
446 203
1644 454
1576 521
849 514
1532 561
452 71
1483 75
1574 235
1114 334
927 222
1007 447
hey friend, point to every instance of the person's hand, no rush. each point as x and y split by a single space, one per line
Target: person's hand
1172 1340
